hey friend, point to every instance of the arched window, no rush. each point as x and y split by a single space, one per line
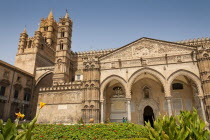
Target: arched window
62 33
26 96
29 44
45 28
61 45
118 92
205 55
177 86
45 39
59 61
16 93
2 90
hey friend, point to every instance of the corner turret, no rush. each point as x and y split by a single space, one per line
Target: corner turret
22 41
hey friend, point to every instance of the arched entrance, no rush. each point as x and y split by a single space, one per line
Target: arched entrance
146 90
149 115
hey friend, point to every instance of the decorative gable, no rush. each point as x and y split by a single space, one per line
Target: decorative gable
147 48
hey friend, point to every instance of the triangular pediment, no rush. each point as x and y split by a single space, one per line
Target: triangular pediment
147 48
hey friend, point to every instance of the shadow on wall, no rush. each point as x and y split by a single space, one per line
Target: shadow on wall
46 81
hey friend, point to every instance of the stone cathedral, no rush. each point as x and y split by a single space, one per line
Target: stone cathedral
138 81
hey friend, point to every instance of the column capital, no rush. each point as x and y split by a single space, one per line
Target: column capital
168 97
200 97
128 99
102 100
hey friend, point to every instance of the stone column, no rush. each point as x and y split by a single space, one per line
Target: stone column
102 111
202 108
129 109
168 99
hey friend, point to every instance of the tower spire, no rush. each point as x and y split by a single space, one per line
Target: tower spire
50 16
67 14
24 30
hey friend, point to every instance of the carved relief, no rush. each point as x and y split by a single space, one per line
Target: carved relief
125 53
148 48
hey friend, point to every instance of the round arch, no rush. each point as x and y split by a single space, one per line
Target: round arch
188 74
109 79
153 72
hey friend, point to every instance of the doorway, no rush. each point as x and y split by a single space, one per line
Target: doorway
148 115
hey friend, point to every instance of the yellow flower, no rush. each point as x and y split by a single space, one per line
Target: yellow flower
19 115
42 104
22 115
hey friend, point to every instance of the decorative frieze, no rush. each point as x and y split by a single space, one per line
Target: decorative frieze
147 61
77 85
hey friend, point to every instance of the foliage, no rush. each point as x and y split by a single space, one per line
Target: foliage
11 131
86 132
80 121
186 126
8 131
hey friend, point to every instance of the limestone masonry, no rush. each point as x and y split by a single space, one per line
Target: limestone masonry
138 81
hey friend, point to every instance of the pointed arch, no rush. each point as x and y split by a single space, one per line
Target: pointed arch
153 72
42 76
109 79
188 74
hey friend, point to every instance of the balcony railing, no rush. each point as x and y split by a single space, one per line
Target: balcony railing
25 102
16 100
3 98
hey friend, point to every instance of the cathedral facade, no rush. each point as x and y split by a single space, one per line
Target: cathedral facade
138 81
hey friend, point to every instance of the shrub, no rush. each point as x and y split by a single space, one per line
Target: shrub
80 121
86 132
186 126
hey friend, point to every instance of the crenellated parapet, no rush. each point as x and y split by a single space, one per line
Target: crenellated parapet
195 42
94 52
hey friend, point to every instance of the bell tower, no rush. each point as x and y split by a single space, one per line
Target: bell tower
39 50
62 58
48 28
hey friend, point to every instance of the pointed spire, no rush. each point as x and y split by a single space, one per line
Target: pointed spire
38 27
67 14
24 30
50 16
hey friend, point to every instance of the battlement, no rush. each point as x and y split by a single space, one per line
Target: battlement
94 52
77 85
195 42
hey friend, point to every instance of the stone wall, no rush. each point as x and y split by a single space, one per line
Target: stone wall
61 106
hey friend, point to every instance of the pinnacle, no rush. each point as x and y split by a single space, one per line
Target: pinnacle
24 31
67 14
50 16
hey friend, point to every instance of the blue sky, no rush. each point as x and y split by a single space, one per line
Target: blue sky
101 24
